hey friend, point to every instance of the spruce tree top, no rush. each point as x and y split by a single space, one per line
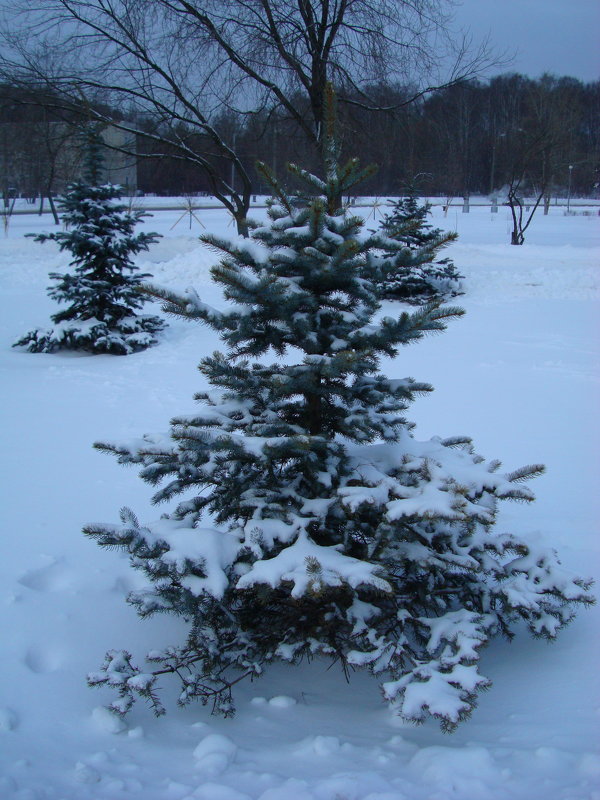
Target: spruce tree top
407 221
100 231
301 282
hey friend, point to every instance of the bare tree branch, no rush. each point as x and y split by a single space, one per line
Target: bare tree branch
185 61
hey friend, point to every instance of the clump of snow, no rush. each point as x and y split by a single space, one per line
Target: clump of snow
84 773
281 701
309 566
107 722
215 753
259 701
322 746
467 772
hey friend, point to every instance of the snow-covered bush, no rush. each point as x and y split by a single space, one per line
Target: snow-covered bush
310 521
103 290
413 273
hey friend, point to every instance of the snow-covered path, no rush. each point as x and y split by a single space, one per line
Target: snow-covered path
519 373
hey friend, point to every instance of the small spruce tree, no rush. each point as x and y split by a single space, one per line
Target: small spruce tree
103 290
328 528
413 273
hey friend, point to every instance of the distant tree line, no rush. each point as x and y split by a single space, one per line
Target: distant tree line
472 138
537 136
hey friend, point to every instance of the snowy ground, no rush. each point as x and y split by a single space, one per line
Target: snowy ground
519 373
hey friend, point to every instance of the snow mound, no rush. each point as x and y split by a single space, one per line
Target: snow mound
215 753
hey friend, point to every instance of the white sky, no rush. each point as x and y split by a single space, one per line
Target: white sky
556 36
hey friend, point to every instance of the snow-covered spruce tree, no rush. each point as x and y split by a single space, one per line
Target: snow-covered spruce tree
103 290
413 273
310 521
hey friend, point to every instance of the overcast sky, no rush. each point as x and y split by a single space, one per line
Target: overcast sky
556 36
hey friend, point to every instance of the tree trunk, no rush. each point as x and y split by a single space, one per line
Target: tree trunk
314 420
53 208
241 222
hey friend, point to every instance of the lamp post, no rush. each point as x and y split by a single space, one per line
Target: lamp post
569 190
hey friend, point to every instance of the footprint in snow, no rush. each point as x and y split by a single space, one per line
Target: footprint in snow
54 577
9 719
43 658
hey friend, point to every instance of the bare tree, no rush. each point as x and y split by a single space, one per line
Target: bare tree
273 50
181 62
120 55
38 155
537 146
56 159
